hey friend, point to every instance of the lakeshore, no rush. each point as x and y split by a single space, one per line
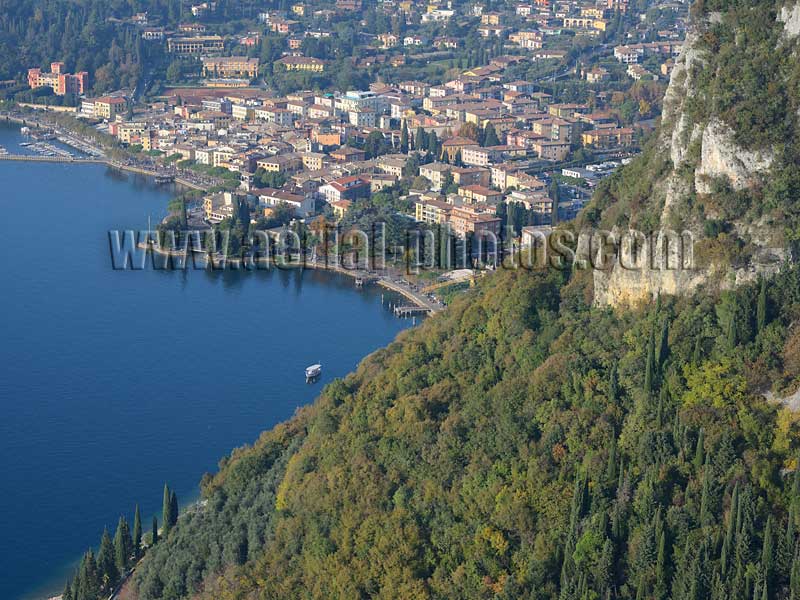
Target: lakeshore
385 280
117 368
97 156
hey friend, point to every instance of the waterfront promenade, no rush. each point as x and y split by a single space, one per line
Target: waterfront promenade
99 156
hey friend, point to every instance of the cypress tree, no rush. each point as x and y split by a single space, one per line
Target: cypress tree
663 398
511 226
555 197
641 593
697 353
106 562
490 136
165 511
613 384
744 536
88 583
796 487
786 543
137 532
718 591
155 531
404 138
649 365
173 509
663 346
761 307
767 552
611 464
699 452
605 566
730 333
794 578
122 546
676 433
705 500
727 545
661 568
616 525
67 593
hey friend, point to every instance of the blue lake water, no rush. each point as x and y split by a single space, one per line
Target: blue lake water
113 382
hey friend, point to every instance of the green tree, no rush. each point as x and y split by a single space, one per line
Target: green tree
154 540
421 139
173 509
490 136
106 563
663 346
449 185
767 553
404 138
69 590
554 197
137 532
87 585
761 306
375 145
650 364
174 71
699 453
166 521
123 546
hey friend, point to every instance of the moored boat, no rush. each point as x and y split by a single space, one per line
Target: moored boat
313 372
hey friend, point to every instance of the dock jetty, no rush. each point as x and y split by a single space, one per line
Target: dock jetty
411 311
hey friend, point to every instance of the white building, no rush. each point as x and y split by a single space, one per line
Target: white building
304 205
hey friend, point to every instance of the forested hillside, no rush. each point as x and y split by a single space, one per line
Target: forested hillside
32 34
94 35
524 445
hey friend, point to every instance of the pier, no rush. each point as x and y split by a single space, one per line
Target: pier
411 311
53 159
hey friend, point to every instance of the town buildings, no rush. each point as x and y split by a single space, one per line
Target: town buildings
61 82
196 46
318 148
230 66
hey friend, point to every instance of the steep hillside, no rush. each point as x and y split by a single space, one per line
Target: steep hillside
523 445
723 164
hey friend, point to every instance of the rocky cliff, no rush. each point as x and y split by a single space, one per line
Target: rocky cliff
722 162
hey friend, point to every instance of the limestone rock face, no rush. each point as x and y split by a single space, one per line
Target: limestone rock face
664 264
621 287
722 158
677 131
790 17
708 150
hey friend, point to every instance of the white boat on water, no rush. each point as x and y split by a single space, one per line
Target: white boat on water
313 371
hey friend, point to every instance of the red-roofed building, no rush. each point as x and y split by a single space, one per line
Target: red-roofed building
345 188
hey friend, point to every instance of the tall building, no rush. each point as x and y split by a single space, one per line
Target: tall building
61 83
